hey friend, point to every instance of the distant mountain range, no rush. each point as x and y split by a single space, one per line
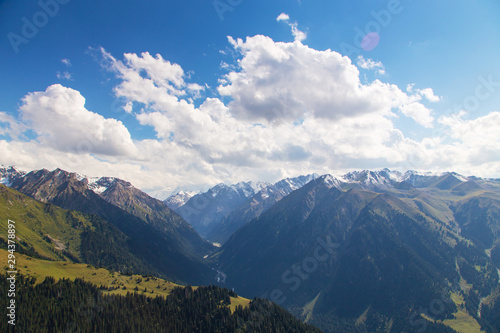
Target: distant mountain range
220 211
203 210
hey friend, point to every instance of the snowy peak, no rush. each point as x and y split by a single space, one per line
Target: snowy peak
245 189
386 178
331 181
179 199
368 177
295 183
100 185
9 173
285 186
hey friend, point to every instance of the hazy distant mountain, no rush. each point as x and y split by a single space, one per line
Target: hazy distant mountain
159 236
364 253
179 199
255 205
204 210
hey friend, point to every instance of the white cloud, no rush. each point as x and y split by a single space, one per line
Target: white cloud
428 93
12 127
293 110
67 62
279 81
479 136
419 113
283 17
299 35
59 117
313 112
64 75
371 65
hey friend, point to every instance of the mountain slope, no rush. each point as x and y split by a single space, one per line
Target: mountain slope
366 258
156 213
154 248
47 231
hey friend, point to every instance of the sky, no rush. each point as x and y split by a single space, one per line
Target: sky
188 94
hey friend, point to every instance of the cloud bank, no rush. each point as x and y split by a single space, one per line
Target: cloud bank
282 109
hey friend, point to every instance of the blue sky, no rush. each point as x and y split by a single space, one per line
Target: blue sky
428 94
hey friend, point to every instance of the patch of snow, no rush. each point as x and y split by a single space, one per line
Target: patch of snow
331 181
100 184
460 177
9 173
257 186
179 199
5 181
79 176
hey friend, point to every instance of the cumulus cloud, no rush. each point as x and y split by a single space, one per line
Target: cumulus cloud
428 93
293 109
279 81
59 117
478 136
290 110
283 17
419 113
10 127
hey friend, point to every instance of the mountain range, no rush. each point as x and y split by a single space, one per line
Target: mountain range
155 234
369 251
220 211
370 248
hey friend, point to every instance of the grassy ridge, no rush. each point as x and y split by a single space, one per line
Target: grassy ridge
113 282
43 227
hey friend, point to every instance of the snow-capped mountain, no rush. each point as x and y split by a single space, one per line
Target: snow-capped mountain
368 178
100 184
386 179
286 186
9 173
179 199
255 205
204 209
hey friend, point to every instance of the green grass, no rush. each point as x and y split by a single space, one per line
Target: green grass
40 269
119 283
37 223
463 322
